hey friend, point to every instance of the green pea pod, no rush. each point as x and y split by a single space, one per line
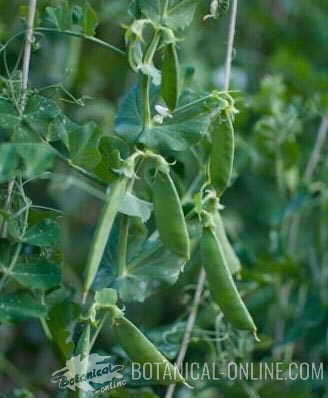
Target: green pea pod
170 76
228 251
222 155
169 215
142 351
221 283
102 232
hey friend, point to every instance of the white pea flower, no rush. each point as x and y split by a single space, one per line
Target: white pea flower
162 113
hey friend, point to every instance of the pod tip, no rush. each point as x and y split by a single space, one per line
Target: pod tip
187 385
256 337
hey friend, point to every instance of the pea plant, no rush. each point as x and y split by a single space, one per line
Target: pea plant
160 176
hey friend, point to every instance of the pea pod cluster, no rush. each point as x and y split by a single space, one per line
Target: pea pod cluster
220 280
169 215
142 351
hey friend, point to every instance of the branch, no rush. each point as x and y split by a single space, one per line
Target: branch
27 50
189 327
82 36
315 155
231 38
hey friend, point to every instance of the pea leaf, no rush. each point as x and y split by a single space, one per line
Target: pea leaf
19 306
149 268
35 158
83 145
71 14
8 115
181 13
41 276
131 205
60 17
151 9
89 21
61 321
40 110
9 162
44 234
185 127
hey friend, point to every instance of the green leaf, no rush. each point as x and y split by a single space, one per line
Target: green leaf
113 150
61 322
186 126
44 234
8 163
41 276
19 306
89 21
135 207
37 158
181 13
83 145
150 266
151 9
40 109
60 17
170 77
8 115
106 297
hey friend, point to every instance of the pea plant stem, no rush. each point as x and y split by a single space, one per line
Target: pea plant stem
309 172
231 38
189 327
123 244
316 153
11 266
24 85
10 190
27 51
146 79
83 36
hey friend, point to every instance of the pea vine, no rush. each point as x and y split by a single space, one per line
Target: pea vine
158 178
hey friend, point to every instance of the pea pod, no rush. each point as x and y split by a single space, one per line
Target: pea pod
169 215
103 230
228 251
142 351
222 155
170 76
221 283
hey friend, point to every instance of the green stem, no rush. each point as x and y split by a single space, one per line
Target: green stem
146 101
196 102
123 244
99 328
146 81
83 36
165 9
11 266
